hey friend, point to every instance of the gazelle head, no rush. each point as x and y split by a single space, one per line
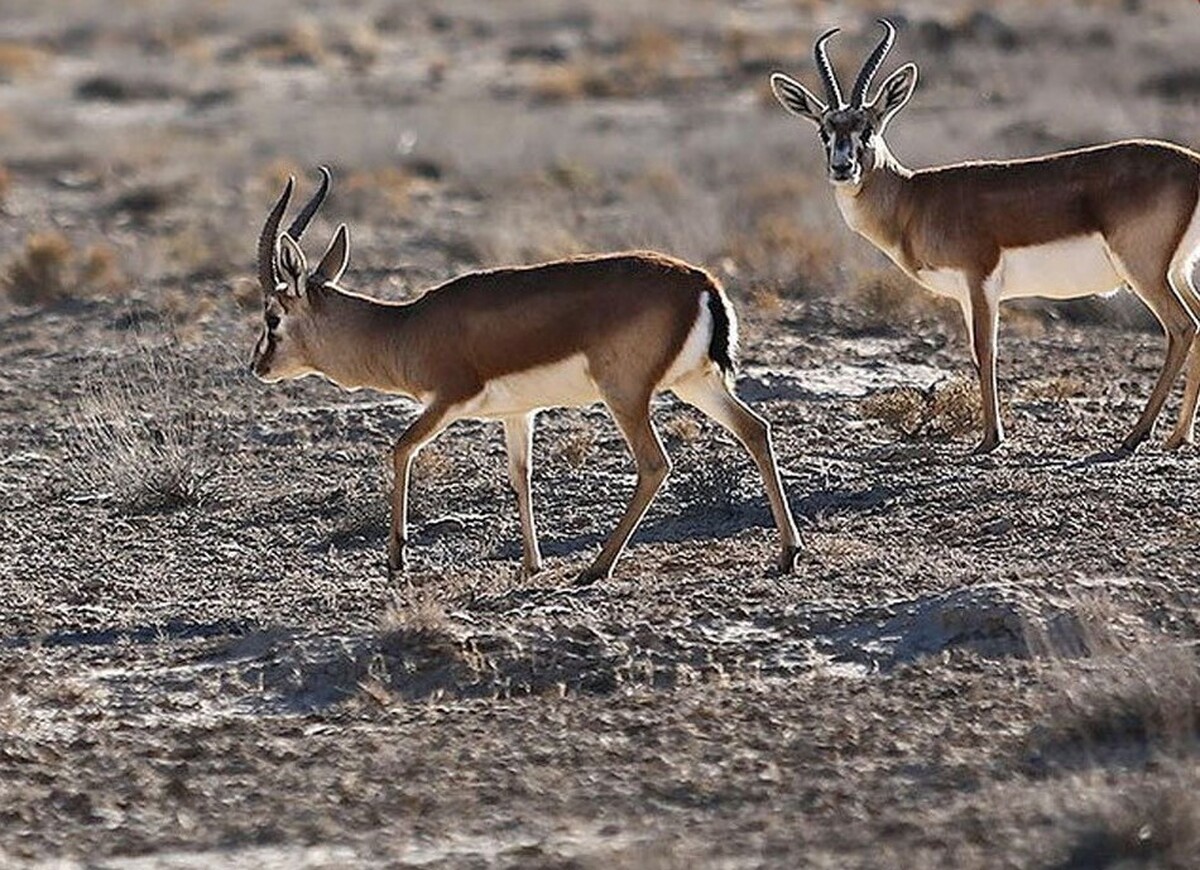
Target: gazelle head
851 131
292 294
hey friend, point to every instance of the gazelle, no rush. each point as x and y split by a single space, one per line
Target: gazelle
1071 224
503 344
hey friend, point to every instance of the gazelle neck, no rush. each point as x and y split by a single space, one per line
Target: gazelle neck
361 341
871 207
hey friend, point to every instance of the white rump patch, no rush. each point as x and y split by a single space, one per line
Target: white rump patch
693 356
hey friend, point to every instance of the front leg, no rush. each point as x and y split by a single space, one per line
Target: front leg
982 311
518 442
432 420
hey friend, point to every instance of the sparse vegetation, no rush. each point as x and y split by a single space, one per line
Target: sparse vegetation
945 410
202 655
138 440
50 270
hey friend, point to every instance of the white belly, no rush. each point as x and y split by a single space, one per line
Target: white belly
1066 269
566 383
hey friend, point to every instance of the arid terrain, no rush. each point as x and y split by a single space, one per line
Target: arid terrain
978 662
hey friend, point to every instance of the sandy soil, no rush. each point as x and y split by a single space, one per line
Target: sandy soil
978 662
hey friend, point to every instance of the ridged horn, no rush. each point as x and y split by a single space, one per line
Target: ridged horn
300 224
871 66
266 241
833 93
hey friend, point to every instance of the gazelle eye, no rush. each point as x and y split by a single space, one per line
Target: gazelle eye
272 321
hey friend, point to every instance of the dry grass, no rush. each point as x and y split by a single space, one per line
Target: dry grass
769 240
138 441
887 299
374 194
434 464
1156 823
18 59
1055 389
575 447
1112 680
948 409
1121 694
50 270
645 62
682 428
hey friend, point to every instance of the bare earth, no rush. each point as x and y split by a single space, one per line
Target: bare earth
978 662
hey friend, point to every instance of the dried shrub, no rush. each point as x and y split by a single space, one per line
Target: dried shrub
947 410
139 440
50 270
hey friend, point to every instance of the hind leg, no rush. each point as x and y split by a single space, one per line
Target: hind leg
1185 429
1180 327
632 415
710 393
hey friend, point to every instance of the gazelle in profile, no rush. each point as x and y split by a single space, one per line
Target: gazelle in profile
1071 224
503 344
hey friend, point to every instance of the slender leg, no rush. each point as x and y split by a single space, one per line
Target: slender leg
518 441
433 420
712 395
1180 326
985 324
633 418
1185 430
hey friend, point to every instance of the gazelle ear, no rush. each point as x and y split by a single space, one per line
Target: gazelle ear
796 98
292 266
337 257
894 93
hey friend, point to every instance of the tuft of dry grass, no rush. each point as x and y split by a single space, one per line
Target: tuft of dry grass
138 440
949 409
49 270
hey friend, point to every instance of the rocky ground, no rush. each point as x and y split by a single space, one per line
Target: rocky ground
978 662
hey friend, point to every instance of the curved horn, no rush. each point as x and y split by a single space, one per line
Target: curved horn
266 241
833 93
300 224
872 64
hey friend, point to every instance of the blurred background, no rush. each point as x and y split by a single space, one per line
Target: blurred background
142 142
